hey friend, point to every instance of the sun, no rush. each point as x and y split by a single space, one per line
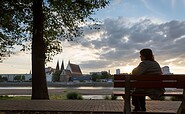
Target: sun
128 69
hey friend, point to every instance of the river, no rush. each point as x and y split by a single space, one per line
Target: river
87 92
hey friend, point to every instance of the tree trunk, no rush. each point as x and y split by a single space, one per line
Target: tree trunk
39 85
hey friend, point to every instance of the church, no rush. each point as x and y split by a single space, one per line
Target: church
72 71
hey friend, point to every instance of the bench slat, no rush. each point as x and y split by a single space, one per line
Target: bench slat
149 85
154 81
178 94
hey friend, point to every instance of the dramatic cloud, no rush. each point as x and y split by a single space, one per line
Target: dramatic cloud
119 41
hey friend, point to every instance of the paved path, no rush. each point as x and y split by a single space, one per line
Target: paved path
82 106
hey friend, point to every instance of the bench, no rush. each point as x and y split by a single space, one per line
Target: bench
149 81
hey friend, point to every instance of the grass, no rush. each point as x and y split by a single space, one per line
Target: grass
57 97
6 97
65 95
176 98
52 97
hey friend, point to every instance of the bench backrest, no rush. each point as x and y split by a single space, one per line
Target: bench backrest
150 81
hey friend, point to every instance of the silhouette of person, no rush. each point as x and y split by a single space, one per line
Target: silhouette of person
147 66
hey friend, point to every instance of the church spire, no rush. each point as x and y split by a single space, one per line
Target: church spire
57 66
62 66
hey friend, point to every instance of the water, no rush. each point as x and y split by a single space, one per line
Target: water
58 88
80 88
111 88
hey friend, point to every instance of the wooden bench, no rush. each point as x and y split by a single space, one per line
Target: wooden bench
149 81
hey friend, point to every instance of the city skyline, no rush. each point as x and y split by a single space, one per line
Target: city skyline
126 27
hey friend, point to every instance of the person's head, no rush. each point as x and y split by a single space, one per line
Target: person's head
146 54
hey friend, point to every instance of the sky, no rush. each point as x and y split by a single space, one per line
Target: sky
127 26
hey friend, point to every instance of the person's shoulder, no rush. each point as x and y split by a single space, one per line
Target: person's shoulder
148 62
144 63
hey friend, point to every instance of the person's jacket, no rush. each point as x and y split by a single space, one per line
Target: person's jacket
149 67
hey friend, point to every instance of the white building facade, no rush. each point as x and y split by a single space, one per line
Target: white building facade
28 77
166 70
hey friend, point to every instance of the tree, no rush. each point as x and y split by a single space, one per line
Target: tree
95 77
5 79
19 78
1 78
41 25
56 76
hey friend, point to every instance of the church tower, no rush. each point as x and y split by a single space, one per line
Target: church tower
62 66
57 66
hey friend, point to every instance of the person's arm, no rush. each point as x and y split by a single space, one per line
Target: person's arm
140 69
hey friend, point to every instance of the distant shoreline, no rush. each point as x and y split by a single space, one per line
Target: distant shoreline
58 84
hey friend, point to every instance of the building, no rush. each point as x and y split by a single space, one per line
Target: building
11 77
28 77
81 79
165 70
49 73
72 71
117 71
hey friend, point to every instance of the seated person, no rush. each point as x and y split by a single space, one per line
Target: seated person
147 66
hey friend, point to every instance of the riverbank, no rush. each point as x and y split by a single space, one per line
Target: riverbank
58 84
24 88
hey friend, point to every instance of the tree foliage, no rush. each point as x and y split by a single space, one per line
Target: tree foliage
56 76
15 26
63 20
95 77
2 79
19 78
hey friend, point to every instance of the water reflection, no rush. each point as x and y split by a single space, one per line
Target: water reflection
59 88
91 97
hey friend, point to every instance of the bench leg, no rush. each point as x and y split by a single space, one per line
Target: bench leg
181 109
127 107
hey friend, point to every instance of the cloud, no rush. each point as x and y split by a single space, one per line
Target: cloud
119 41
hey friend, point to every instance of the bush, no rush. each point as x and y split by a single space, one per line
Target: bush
162 98
176 98
5 97
107 97
74 96
112 97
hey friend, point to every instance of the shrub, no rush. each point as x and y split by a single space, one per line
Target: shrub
113 97
5 97
162 98
74 96
176 98
107 97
